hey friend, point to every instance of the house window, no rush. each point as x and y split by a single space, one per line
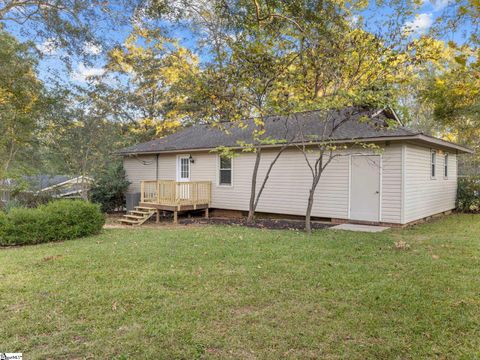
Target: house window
445 166
225 168
184 168
433 163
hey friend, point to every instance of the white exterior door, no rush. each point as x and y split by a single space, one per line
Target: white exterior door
183 175
365 188
183 168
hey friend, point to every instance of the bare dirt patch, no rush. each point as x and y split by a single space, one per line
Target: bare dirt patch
276 224
167 222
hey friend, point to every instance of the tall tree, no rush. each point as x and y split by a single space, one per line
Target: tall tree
276 57
149 68
77 137
67 24
254 48
445 93
22 97
452 90
252 78
340 74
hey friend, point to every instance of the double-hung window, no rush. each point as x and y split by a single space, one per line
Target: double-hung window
225 171
433 166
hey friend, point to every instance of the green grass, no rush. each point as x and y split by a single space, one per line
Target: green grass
231 292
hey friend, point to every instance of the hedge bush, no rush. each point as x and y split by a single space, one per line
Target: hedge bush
55 221
468 194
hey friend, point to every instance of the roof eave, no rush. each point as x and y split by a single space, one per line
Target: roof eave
419 137
444 143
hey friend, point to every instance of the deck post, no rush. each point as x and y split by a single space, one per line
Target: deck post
206 213
158 216
175 217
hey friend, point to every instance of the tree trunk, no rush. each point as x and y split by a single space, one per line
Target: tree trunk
83 189
267 176
251 207
308 214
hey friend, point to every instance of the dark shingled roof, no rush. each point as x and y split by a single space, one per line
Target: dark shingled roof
310 124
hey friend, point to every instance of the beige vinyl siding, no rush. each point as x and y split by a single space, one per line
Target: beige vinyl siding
286 191
167 167
425 196
138 168
392 184
287 188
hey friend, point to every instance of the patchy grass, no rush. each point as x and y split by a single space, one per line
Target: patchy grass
232 292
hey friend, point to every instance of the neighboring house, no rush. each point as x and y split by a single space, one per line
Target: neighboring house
69 188
58 186
413 177
5 191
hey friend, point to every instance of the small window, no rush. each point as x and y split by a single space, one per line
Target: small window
445 166
433 163
184 168
225 176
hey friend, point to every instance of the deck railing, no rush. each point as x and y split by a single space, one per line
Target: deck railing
173 193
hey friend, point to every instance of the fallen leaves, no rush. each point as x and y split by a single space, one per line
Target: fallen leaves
52 257
401 245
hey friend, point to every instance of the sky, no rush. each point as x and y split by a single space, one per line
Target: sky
52 63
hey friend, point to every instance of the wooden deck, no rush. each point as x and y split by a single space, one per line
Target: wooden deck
170 195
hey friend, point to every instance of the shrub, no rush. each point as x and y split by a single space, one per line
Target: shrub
468 194
11 204
109 188
55 221
3 222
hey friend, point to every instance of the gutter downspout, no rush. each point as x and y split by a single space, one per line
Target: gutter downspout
156 169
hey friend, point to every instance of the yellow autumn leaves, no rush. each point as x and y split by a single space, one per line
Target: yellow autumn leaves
154 66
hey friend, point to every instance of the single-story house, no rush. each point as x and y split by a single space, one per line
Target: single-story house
6 186
57 186
408 177
69 188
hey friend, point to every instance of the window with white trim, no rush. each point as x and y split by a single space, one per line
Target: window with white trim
225 171
445 166
433 163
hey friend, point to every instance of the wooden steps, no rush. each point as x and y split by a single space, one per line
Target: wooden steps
138 216
133 217
136 212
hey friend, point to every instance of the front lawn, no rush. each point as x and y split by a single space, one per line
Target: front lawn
242 293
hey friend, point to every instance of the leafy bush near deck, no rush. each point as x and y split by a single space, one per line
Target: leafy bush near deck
55 221
468 194
110 188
